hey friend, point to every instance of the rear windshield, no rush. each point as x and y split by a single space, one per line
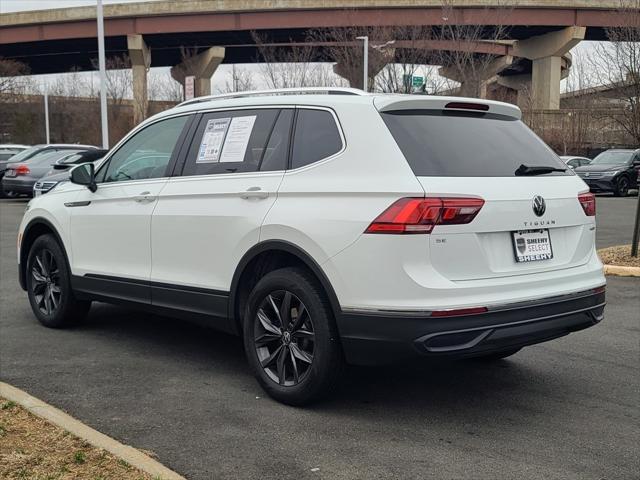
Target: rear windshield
458 144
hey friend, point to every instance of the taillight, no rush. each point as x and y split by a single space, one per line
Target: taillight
421 215
22 170
588 202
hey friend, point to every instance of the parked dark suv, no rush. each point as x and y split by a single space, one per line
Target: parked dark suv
612 171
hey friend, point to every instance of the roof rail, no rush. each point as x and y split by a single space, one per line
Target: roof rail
278 91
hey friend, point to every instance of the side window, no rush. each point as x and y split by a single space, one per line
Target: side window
146 154
229 142
277 151
316 137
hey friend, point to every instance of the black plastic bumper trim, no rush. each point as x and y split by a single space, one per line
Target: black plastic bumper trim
375 338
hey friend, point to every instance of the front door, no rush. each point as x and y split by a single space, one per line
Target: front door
111 227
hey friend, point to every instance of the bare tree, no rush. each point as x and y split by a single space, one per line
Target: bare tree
341 47
241 80
409 53
163 87
12 74
294 64
119 84
461 54
617 64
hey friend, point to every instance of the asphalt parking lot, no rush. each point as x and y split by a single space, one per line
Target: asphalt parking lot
566 409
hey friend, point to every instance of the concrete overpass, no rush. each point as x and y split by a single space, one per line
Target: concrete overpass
152 33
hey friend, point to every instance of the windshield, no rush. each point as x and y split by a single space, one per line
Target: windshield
612 158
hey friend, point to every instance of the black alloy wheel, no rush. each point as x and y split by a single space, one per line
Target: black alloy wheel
622 187
284 338
290 337
45 282
48 282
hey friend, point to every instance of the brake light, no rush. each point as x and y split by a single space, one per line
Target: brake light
478 107
21 170
588 202
421 215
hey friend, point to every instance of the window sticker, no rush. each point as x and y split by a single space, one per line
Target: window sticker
212 140
235 145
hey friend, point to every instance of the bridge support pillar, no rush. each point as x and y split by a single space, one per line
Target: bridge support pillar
545 83
202 67
546 52
140 57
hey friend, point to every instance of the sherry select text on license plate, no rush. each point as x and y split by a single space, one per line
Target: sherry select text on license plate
532 245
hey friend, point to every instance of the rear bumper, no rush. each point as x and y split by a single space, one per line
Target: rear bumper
18 185
370 338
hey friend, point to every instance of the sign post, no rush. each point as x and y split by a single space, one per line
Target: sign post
636 228
189 87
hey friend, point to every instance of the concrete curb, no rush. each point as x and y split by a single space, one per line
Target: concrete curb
57 417
622 271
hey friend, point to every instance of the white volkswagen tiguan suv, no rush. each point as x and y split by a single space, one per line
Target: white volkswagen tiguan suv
324 226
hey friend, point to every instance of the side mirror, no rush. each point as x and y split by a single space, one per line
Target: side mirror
60 166
85 174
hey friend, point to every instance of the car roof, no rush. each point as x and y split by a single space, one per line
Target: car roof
66 145
329 97
12 145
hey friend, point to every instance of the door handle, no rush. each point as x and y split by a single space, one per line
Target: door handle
253 192
144 197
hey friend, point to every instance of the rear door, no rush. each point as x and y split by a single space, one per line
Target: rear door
472 154
209 215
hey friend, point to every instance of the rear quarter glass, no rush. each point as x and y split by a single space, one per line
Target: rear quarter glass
461 144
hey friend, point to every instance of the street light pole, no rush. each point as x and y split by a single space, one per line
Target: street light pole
46 113
365 79
103 78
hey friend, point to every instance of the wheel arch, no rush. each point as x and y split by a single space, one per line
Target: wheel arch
280 250
35 228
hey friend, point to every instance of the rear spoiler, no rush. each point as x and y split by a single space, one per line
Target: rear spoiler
388 103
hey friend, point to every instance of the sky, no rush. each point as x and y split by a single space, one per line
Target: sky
20 5
221 76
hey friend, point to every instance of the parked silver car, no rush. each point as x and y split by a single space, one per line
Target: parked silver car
31 152
9 150
574 161
20 177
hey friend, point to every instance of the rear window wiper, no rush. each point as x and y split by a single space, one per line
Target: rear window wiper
537 170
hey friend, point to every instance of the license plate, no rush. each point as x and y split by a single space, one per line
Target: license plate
532 245
10 173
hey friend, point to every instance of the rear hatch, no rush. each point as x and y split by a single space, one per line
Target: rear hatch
531 220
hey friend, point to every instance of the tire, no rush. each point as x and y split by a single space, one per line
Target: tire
622 187
492 357
48 282
300 363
